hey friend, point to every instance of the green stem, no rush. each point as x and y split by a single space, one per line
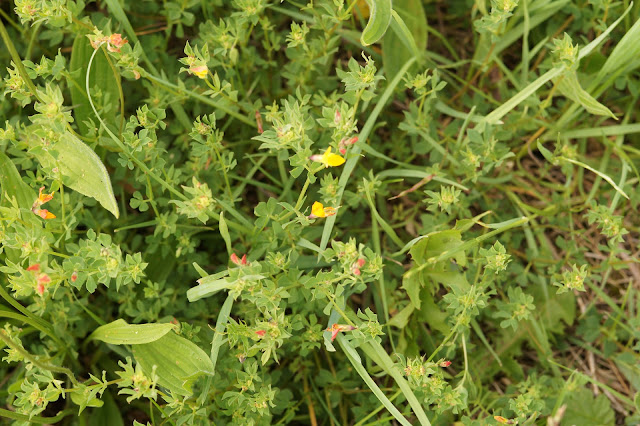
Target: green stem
202 99
32 359
17 60
36 419
34 324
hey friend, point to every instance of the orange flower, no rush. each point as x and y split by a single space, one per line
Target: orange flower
344 143
504 421
42 198
45 214
319 210
35 267
115 42
236 260
200 71
41 281
337 328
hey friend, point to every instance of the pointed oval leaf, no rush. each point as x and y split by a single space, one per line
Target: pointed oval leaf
408 37
379 21
179 362
119 332
102 77
625 52
570 87
82 170
12 185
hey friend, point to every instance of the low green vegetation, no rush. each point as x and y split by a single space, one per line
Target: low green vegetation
344 212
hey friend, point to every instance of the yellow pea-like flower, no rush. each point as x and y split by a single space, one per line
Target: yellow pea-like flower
319 210
329 159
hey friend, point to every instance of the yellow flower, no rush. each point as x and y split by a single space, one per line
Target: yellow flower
328 159
318 210
200 71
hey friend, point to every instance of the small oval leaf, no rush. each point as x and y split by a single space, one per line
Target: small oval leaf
379 21
119 332
179 362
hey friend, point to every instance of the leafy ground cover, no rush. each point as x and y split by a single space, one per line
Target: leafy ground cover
333 213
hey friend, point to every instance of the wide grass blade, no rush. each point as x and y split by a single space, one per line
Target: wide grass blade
356 362
379 21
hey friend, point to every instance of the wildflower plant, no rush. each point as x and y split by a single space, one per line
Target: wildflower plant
258 212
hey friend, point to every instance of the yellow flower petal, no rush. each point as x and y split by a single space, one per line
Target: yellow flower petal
331 160
317 209
334 160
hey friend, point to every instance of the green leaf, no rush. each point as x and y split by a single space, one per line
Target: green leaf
548 155
119 332
102 78
85 400
625 52
379 21
408 37
436 243
355 360
82 170
179 362
585 410
570 87
401 319
224 232
412 285
12 186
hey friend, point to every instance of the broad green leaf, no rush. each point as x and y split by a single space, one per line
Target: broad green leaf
103 82
585 410
625 52
412 285
437 243
179 362
379 21
82 170
628 365
408 37
119 332
12 185
570 87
